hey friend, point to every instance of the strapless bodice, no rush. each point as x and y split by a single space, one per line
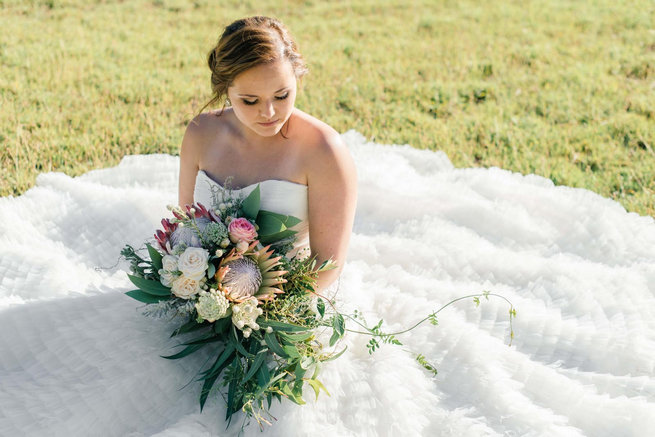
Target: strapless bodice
280 196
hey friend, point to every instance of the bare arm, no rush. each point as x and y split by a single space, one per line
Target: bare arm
189 159
332 198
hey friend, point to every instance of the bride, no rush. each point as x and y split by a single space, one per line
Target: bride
77 357
263 138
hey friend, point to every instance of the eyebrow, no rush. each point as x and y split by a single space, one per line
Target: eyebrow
252 95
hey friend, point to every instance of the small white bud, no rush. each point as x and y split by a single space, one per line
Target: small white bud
262 343
225 243
269 329
246 332
240 324
229 204
180 224
222 207
192 210
254 326
218 253
242 246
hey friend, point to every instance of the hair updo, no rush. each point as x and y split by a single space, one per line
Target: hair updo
247 43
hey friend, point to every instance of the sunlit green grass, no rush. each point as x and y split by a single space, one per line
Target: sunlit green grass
563 89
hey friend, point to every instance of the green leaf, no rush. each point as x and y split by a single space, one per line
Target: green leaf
184 352
145 297
281 326
335 337
261 356
291 351
334 357
306 362
268 239
263 377
189 326
338 324
234 339
273 344
288 220
211 270
206 388
286 389
231 391
250 205
221 362
222 325
155 257
318 385
296 337
269 224
151 287
320 306
204 340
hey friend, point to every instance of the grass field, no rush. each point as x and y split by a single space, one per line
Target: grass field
563 89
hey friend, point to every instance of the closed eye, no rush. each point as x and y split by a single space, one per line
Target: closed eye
254 102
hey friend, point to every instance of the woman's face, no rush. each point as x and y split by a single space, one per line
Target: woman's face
263 97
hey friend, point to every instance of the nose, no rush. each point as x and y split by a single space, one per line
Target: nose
267 111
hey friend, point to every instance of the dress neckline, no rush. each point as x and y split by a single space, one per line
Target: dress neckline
284 181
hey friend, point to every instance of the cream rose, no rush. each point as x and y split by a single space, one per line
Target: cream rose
169 263
241 229
185 287
166 278
193 263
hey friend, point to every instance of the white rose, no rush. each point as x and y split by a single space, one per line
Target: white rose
185 287
169 263
166 278
193 263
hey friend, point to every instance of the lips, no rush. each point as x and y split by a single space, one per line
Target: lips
270 123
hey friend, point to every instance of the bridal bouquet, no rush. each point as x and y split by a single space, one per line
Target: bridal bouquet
230 273
226 270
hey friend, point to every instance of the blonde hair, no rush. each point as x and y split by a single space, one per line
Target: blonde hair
247 43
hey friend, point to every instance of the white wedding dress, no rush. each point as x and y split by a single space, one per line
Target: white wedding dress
77 358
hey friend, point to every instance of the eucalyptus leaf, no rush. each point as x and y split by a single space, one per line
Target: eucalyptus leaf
320 306
259 359
296 337
221 362
281 326
317 386
291 351
334 357
189 326
184 352
273 344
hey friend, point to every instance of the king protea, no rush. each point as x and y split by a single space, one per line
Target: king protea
241 275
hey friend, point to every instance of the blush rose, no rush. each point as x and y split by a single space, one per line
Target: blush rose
241 229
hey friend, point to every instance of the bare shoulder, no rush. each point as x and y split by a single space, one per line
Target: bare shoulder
324 150
202 129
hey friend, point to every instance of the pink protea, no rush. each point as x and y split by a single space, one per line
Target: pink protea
163 237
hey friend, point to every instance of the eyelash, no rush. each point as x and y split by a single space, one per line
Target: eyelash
252 102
